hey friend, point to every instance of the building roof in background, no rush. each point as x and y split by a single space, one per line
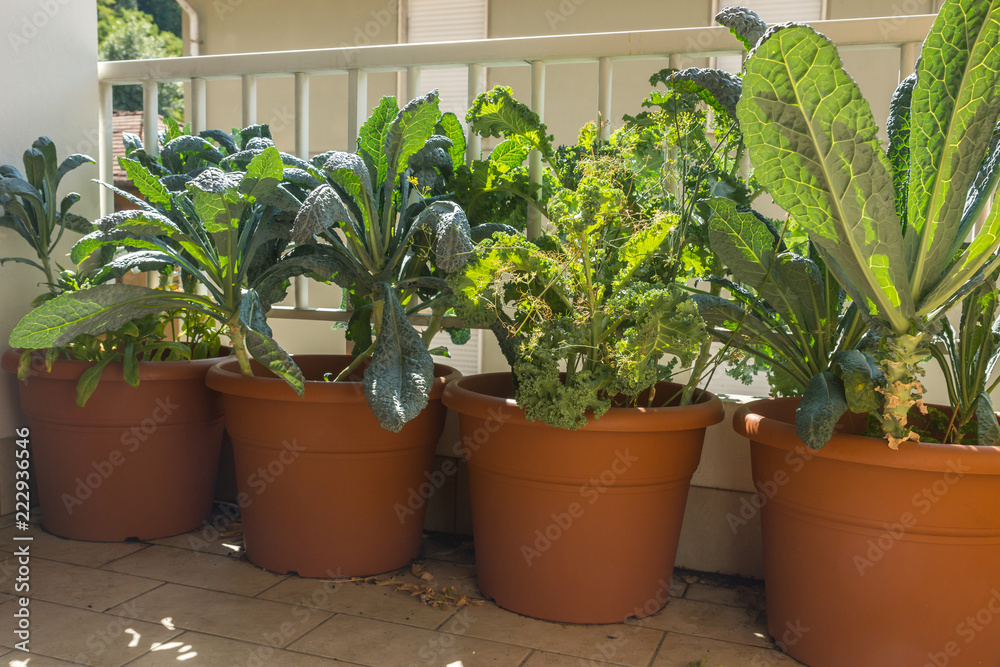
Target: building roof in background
131 122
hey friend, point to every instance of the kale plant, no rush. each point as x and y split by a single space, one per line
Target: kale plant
597 295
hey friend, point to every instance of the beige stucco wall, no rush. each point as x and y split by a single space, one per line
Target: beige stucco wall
48 57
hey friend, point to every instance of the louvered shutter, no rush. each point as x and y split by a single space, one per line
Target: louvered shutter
774 12
447 21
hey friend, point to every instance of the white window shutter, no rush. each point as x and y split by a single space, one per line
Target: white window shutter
447 21
774 12
466 358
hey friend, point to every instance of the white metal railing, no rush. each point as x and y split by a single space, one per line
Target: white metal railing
904 33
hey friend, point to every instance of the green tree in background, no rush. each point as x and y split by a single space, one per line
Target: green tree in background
126 32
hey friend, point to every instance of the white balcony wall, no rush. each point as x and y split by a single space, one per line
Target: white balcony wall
48 57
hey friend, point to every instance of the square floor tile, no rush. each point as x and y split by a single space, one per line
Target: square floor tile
714 621
193 648
384 603
215 536
84 637
620 643
228 615
380 644
73 585
543 659
179 566
90 554
684 650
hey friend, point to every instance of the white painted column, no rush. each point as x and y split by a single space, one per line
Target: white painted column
249 100
534 226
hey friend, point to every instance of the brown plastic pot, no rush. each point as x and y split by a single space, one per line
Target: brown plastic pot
577 526
324 490
875 557
135 462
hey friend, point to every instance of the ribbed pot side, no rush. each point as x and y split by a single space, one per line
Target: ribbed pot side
324 490
135 462
874 557
577 526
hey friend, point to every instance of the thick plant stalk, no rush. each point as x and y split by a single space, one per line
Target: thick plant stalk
239 346
901 357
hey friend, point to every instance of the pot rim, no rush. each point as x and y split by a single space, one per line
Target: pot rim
756 420
226 378
72 369
706 412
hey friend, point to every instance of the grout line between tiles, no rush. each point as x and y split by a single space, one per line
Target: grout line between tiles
656 651
437 628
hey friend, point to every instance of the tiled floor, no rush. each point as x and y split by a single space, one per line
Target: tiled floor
195 600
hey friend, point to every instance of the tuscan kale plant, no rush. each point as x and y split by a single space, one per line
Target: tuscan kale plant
385 219
784 309
891 226
218 231
29 206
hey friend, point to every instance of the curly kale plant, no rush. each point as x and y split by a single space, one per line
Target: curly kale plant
391 240
591 296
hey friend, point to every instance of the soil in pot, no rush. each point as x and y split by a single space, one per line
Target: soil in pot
876 557
135 462
577 526
324 490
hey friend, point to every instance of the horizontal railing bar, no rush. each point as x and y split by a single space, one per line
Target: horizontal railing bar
341 315
707 41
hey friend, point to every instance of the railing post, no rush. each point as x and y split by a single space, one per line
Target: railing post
302 152
534 222
357 104
474 144
302 115
249 100
150 117
907 59
105 147
604 98
412 84
198 105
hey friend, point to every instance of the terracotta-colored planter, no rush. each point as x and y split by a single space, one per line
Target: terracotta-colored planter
577 526
324 490
135 462
874 557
